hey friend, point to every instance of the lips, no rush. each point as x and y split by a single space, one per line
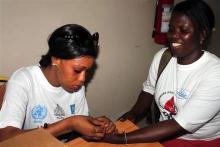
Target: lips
176 44
76 88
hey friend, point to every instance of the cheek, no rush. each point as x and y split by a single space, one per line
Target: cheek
70 76
192 39
66 74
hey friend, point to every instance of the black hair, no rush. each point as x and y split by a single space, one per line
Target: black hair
201 15
70 41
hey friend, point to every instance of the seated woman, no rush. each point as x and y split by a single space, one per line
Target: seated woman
188 90
52 94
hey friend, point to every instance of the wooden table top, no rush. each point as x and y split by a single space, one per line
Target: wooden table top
126 126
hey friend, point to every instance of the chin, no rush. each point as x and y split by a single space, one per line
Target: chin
175 53
69 90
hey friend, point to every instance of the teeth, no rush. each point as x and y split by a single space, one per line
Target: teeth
176 44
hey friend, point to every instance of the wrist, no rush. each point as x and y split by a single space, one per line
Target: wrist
71 123
122 138
116 139
125 138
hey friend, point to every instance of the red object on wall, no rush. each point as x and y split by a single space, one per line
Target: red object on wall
161 22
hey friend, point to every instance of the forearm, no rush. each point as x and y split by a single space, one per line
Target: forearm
60 127
8 132
55 129
156 132
143 103
85 125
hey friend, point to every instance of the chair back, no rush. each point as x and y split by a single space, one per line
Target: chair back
2 93
3 81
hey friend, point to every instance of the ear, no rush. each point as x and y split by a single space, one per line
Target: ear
55 61
95 38
202 36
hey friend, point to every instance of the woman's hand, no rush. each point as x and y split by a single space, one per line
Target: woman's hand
128 116
89 127
108 125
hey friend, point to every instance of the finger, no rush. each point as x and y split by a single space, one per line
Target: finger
97 122
122 119
97 134
98 129
111 128
105 120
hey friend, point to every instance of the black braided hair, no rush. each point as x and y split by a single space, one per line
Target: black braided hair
201 15
70 41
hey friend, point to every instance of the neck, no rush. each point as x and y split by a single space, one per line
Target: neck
190 59
49 73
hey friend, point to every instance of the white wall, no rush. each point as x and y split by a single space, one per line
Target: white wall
126 46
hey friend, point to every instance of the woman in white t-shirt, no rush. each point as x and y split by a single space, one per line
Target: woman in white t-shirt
51 94
187 92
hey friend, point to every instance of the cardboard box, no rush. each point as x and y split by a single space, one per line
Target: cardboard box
35 138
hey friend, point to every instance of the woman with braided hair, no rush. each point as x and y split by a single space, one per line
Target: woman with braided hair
51 94
187 92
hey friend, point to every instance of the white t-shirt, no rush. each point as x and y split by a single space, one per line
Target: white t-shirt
30 101
189 93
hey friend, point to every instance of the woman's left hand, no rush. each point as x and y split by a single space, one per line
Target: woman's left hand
108 125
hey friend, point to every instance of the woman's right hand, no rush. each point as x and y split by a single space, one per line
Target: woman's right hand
89 127
128 116
137 112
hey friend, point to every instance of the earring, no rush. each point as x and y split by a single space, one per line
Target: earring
201 41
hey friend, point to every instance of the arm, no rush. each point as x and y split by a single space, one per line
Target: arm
9 132
156 132
14 109
85 125
145 99
108 125
139 109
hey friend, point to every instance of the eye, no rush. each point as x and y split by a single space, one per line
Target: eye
77 71
184 30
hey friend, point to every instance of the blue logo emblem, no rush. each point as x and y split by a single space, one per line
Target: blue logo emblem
182 93
39 112
72 108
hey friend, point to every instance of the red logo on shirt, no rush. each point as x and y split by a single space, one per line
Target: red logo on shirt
169 106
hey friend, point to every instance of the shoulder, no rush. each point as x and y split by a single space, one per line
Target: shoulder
23 74
157 57
212 66
212 61
160 53
213 57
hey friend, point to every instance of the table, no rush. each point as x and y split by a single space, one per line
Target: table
126 126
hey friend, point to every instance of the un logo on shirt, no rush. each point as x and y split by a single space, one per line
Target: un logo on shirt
39 112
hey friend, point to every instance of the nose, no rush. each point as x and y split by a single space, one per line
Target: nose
82 77
172 36
175 34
